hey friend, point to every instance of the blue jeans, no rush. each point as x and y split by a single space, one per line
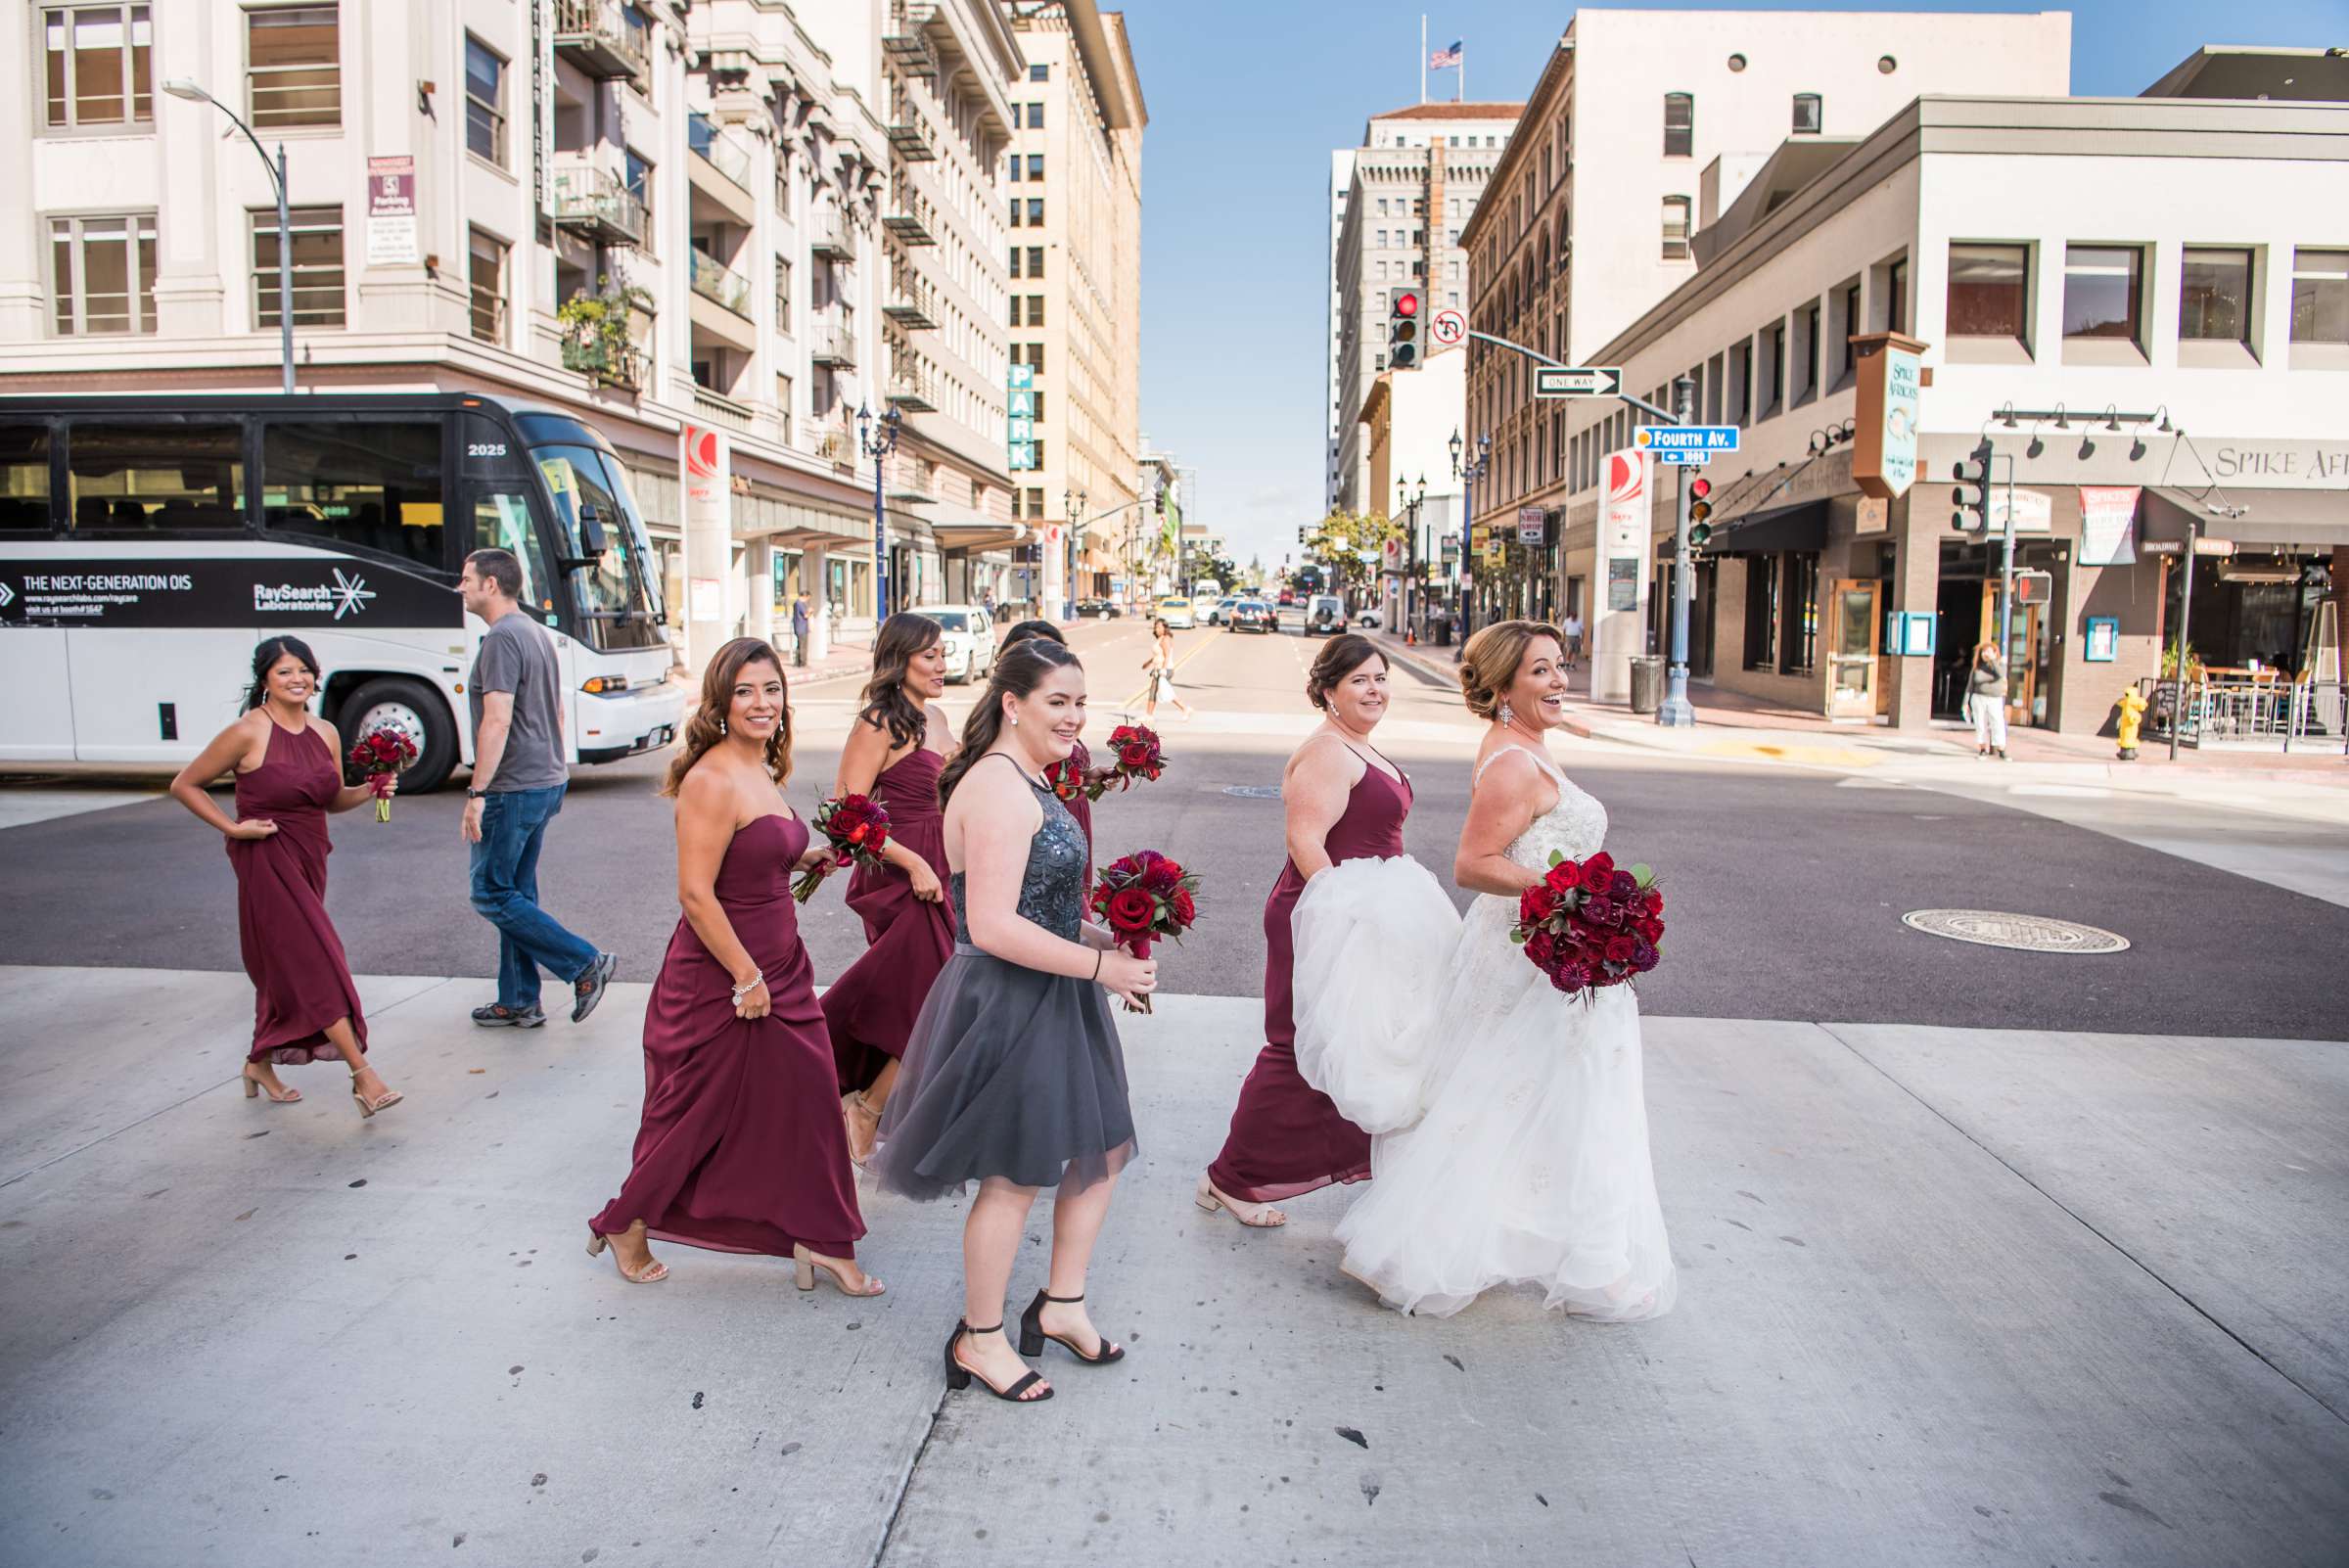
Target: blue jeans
505 892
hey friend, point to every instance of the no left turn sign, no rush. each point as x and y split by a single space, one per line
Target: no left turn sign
1448 327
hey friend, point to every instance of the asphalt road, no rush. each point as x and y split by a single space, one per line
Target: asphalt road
1787 886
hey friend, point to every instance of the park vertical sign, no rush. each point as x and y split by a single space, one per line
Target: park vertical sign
1885 411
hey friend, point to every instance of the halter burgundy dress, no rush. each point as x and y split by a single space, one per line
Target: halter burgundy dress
1286 1136
871 1007
741 1147
300 979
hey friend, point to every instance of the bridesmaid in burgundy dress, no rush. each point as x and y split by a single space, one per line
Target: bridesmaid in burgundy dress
740 1149
1344 801
1079 807
289 778
894 754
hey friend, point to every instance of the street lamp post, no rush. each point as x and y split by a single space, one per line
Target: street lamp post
1676 711
877 438
1470 474
1072 504
183 87
1409 505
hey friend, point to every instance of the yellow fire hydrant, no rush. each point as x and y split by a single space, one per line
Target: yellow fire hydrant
2133 714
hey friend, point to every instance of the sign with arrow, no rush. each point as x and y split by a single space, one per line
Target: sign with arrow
1577 381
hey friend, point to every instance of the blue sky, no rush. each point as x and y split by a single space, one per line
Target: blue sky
1246 99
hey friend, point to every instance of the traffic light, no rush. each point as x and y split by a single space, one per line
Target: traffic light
1701 508
1403 331
2034 587
1972 496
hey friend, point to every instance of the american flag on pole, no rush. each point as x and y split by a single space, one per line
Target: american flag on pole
1445 56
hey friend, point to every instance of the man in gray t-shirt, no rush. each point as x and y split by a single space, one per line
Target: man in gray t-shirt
516 697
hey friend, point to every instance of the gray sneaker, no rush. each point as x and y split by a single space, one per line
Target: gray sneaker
497 1015
589 987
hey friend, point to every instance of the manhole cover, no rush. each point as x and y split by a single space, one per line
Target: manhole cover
1254 792
1989 928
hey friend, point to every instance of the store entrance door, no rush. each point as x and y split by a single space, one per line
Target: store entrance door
1852 660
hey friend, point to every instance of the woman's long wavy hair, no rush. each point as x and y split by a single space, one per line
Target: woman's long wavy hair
1020 669
706 727
269 653
885 703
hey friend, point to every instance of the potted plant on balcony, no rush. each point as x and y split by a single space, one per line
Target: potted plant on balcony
599 337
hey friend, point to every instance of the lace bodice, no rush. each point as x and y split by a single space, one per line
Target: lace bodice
1053 888
1576 827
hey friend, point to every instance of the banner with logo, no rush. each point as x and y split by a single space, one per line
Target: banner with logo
283 594
1619 624
2108 525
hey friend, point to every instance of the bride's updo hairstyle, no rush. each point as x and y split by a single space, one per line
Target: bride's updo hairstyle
1488 665
1341 657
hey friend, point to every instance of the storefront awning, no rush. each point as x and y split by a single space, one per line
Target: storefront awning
960 530
2269 520
1802 526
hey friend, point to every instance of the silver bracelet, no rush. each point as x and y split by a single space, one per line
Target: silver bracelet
740 991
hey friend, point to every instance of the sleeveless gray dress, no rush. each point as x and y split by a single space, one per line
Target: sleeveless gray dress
1011 1072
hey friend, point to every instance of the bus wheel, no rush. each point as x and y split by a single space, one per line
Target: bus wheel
415 710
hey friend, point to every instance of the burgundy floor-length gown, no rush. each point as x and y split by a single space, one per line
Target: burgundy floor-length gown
1286 1136
742 1147
871 1007
300 979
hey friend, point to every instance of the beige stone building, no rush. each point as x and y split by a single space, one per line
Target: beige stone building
1074 185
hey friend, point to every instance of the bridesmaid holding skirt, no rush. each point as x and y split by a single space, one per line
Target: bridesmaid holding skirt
741 1147
894 754
1343 800
289 778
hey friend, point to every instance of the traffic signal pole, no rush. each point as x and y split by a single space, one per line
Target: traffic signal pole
1676 711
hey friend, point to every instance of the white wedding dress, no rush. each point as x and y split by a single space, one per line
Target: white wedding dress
1527 1161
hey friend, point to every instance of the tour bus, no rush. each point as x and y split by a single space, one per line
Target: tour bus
149 542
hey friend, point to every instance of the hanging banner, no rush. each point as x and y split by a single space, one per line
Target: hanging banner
1885 412
391 212
2107 524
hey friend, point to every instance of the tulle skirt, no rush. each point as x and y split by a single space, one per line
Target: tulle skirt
1368 935
1009 1073
1528 1162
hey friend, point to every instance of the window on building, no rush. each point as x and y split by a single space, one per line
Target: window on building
1676 228
1451 270
102 275
1016 213
1036 310
1773 343
1015 310
1990 289
1800 597
1378 361
1896 297
1379 270
1739 408
488 280
1036 212
1012 168
1035 116
1017 251
1382 207
98 65
1851 325
783 404
1037 402
2214 295
1036 165
149 477
1808 113
1810 351
1040 71
2321 296
1761 612
1036 261
369 486
782 294
485 102
317 256
2104 289
1679 126
293 66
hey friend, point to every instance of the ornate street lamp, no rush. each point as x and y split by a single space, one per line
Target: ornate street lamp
877 438
1072 504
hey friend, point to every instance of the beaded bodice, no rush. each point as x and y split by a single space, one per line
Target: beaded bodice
1576 827
1053 888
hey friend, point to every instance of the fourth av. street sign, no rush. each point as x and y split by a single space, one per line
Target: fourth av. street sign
1577 381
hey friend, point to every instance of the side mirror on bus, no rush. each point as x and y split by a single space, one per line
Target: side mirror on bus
592 542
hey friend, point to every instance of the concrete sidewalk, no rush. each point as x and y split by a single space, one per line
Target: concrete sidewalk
1947 1297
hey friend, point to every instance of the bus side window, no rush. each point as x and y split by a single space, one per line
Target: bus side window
156 477
370 485
501 520
24 479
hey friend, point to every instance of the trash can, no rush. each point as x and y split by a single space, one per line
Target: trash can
1440 627
1647 684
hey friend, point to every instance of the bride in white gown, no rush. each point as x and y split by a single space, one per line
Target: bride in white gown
1528 1162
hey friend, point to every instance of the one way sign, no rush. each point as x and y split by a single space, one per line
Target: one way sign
1577 381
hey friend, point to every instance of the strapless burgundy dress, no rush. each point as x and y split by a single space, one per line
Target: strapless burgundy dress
742 1147
300 979
871 1007
1286 1136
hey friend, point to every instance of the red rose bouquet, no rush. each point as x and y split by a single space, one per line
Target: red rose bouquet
381 755
1587 923
1138 754
1070 780
1143 897
858 826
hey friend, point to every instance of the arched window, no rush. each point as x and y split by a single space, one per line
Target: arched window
1808 113
1680 124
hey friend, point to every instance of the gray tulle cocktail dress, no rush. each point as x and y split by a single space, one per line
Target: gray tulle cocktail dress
1011 1072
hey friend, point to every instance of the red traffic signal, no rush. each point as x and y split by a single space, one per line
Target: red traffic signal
1406 304
1700 488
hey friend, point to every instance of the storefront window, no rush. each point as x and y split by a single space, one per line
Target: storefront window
1800 599
2101 288
2213 301
1761 612
2321 296
1988 285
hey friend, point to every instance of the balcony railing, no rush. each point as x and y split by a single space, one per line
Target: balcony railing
908 218
594 36
593 202
906 36
910 386
723 150
831 341
911 301
719 409
830 234
911 136
713 280
604 362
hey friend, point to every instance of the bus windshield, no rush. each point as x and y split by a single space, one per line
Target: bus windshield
617 600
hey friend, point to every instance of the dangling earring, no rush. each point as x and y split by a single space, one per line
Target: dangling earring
721 726
1507 717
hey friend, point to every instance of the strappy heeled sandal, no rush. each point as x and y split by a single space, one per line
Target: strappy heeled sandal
805 1264
853 1106
1032 1334
652 1273
285 1094
382 1102
959 1373
1255 1216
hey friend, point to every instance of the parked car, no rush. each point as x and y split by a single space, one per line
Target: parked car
1368 619
1325 616
969 643
1219 614
1251 615
1179 614
1100 609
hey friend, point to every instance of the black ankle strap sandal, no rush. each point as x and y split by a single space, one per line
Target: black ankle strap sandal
958 1375
1032 1335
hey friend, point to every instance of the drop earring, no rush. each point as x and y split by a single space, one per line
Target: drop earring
721 726
1507 716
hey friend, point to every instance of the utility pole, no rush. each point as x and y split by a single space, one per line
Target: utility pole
878 437
1676 711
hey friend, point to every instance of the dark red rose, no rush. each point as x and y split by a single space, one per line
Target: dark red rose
1598 868
1654 898
1648 929
1536 904
1131 911
1571 976
1622 885
1564 876
1156 872
1621 949
1541 948
1186 911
